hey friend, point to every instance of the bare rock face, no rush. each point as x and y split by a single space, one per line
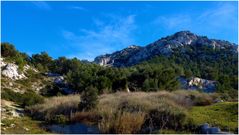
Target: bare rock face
118 58
104 60
10 70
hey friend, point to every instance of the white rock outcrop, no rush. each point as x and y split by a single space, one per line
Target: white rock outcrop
2 62
10 70
195 83
59 80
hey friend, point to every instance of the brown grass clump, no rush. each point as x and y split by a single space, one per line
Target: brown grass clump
122 122
191 98
85 117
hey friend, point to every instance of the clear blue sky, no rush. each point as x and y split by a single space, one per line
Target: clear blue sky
88 29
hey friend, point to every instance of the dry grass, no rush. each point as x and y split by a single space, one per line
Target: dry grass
123 112
85 117
118 110
122 122
65 105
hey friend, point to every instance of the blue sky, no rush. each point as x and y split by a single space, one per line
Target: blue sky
88 29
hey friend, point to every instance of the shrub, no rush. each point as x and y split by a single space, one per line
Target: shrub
31 98
59 119
50 90
166 117
8 50
10 95
89 99
26 99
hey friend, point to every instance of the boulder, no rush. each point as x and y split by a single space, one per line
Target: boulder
206 129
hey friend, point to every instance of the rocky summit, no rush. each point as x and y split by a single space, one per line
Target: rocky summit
180 42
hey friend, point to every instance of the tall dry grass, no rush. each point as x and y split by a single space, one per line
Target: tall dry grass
118 110
123 112
65 105
122 122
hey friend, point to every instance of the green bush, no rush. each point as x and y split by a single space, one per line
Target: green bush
26 99
166 118
8 50
51 90
10 95
89 99
59 119
31 98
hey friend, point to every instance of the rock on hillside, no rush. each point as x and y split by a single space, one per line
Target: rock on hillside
164 46
10 70
196 83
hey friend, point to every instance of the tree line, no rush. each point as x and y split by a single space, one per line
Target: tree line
158 73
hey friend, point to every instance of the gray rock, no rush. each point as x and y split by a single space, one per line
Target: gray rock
206 129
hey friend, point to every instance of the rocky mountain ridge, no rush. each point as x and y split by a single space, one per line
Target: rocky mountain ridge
164 46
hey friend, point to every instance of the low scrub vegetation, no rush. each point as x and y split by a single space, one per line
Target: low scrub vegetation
121 112
22 125
26 99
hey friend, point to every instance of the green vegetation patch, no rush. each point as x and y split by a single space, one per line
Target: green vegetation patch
21 125
25 99
223 115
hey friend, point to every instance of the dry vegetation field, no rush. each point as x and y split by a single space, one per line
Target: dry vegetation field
136 112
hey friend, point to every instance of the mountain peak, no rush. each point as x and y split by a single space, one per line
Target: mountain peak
185 32
133 46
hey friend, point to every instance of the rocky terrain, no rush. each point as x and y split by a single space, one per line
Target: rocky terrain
196 83
179 42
